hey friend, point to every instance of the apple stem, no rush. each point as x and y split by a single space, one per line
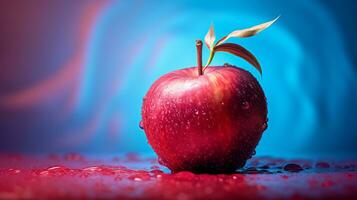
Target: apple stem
199 56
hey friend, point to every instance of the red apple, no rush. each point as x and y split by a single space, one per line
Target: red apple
207 120
205 123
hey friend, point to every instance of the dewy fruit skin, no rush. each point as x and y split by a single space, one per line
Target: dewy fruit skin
208 123
207 119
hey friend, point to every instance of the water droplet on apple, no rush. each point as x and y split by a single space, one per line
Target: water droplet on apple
188 124
264 126
222 103
245 105
196 112
141 124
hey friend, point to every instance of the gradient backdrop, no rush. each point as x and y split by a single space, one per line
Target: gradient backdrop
73 73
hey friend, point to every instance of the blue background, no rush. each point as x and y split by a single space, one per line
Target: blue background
73 73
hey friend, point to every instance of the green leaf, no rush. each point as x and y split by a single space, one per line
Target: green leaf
210 58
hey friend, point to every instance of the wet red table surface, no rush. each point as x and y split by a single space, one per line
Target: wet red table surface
73 176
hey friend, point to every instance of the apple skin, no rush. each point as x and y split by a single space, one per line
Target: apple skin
205 124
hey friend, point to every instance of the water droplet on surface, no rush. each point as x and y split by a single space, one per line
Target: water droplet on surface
55 171
13 171
140 176
185 175
196 112
156 171
323 165
254 152
92 169
245 105
141 124
44 173
291 167
73 157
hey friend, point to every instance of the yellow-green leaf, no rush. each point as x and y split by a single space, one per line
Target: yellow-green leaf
210 38
247 32
210 57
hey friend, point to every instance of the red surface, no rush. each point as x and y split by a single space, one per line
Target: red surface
131 177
